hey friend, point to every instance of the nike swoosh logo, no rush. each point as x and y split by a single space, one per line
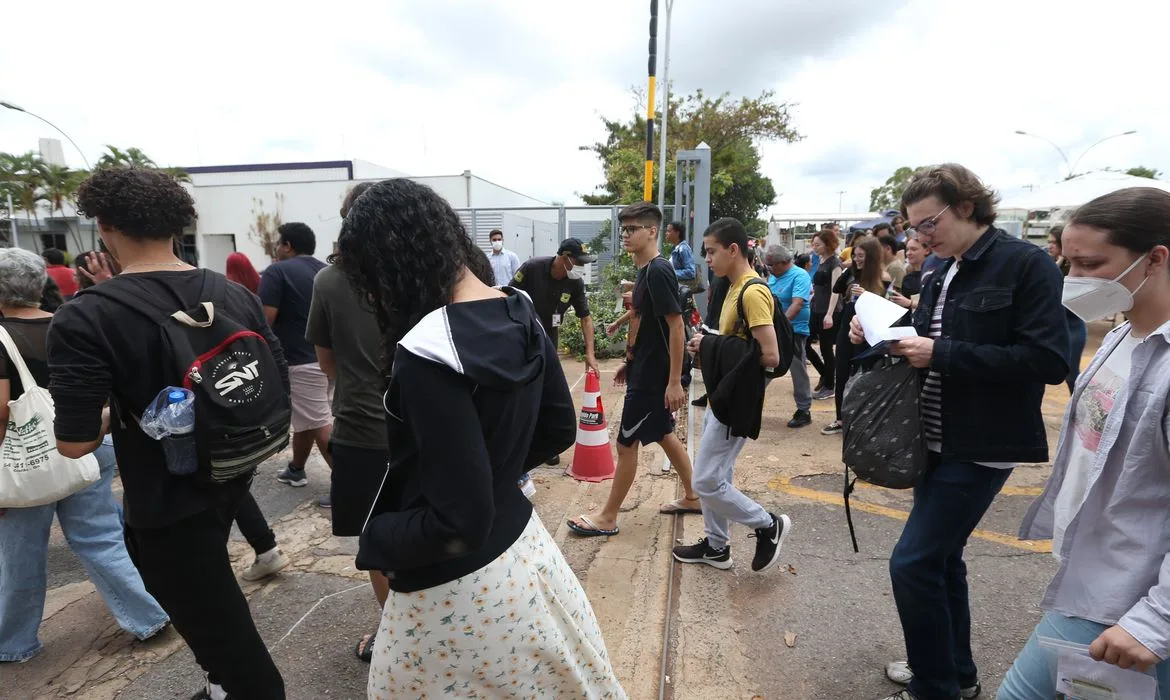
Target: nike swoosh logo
776 539
627 434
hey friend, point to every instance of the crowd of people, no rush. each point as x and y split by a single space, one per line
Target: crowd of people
426 373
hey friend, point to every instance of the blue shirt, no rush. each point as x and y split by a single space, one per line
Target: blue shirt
794 284
504 264
683 261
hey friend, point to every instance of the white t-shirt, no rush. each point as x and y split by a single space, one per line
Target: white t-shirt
1092 410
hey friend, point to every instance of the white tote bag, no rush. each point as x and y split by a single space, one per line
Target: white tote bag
32 472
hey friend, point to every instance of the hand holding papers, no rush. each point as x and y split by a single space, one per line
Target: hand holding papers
876 315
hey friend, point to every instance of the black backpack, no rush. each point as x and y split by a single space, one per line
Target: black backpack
785 336
883 442
242 411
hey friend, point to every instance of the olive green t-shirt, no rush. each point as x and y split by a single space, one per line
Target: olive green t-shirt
344 323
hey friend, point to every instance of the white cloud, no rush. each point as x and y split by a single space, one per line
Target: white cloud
511 89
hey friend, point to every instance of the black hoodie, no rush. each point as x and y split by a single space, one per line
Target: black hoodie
477 397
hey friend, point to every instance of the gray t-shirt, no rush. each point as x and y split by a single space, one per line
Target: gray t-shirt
343 322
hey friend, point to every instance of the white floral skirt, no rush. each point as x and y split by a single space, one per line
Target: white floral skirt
521 627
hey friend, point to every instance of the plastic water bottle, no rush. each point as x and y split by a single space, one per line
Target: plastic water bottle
177 417
526 486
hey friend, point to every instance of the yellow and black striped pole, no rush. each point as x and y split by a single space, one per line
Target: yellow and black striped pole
651 69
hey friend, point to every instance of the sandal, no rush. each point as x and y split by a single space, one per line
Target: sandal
678 508
590 529
365 647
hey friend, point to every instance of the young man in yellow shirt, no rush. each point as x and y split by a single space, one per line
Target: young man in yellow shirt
726 242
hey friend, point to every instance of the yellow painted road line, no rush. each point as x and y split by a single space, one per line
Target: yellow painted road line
1006 490
784 485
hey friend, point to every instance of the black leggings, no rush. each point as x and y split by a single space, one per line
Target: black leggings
185 566
845 352
825 339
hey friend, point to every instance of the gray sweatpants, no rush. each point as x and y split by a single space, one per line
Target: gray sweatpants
801 387
723 504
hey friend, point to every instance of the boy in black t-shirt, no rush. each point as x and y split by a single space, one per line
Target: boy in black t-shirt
652 373
176 531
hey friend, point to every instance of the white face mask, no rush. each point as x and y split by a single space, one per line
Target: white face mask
577 273
497 246
1093 298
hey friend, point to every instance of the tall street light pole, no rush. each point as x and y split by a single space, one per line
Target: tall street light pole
651 70
17 108
1072 169
662 152
1078 160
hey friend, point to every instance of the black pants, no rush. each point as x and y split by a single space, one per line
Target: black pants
845 352
254 526
826 339
185 566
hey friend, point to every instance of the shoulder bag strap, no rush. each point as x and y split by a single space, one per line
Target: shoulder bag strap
14 357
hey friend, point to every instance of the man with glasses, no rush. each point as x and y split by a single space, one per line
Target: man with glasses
793 287
554 284
652 373
991 334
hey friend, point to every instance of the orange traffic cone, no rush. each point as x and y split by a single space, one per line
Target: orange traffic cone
592 458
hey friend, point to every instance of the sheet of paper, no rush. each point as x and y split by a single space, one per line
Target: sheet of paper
876 315
1084 679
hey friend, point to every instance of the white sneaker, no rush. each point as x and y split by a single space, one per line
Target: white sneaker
266 564
900 673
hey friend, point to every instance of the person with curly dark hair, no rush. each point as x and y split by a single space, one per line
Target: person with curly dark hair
101 348
476 396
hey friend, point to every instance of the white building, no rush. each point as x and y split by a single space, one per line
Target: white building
233 200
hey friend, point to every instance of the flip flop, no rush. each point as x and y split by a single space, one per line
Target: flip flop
677 508
365 647
590 529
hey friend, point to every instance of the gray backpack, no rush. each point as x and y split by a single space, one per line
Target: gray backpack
883 442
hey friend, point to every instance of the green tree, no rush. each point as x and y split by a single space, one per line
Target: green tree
27 172
136 158
733 129
60 187
1143 171
889 195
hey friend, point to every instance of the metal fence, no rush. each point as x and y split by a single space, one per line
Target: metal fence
538 231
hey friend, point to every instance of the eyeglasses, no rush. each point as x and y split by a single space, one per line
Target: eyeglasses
929 226
631 228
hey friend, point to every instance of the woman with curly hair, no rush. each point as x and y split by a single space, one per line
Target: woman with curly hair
482 601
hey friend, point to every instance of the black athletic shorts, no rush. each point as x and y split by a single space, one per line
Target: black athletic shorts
645 417
356 478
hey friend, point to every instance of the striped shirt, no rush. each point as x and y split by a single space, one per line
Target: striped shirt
932 387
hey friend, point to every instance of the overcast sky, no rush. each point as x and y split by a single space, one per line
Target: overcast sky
511 88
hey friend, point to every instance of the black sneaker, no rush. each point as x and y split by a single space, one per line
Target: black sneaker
700 402
703 553
293 476
834 428
800 419
769 540
554 461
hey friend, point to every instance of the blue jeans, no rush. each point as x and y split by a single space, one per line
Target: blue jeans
930 578
1033 675
93 529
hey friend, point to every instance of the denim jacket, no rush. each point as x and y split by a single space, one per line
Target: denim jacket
683 261
1114 563
1003 338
